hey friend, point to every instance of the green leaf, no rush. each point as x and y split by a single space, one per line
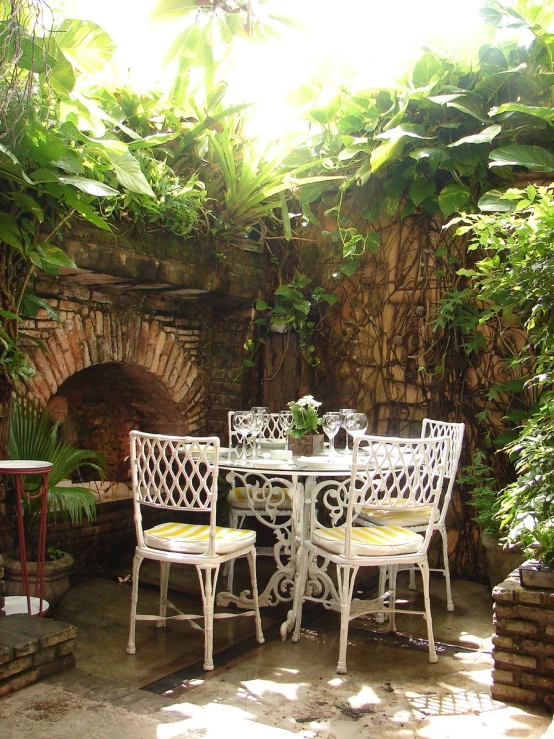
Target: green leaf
129 174
330 298
92 187
62 76
262 305
531 157
373 241
545 114
86 211
429 68
453 198
10 233
28 204
483 137
494 201
421 188
52 255
86 44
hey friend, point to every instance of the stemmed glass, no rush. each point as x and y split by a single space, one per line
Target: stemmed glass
242 423
331 425
261 413
343 413
285 423
355 424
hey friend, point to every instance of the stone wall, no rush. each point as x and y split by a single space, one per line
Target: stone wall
523 642
32 649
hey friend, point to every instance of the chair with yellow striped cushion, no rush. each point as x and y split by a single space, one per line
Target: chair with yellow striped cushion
408 472
179 474
417 518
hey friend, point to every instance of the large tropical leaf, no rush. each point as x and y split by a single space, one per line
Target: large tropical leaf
87 45
532 157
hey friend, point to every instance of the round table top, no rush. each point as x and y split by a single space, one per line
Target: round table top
318 465
23 466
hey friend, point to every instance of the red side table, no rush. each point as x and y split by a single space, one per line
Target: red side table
21 469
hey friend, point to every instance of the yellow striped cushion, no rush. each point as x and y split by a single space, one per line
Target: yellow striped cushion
238 498
192 539
370 541
399 516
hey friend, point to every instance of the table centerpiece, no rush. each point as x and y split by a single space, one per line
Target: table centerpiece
304 439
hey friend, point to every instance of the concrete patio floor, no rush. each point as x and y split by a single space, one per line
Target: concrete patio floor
273 691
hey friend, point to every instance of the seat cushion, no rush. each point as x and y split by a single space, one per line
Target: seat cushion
399 516
238 498
370 541
189 538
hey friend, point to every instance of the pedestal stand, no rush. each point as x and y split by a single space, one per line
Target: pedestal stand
21 469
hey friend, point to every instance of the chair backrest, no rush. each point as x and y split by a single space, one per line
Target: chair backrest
396 473
455 432
175 473
271 431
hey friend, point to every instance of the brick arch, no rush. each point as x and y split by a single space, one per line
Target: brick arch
92 337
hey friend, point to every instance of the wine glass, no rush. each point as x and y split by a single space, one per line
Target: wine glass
343 413
262 412
355 424
331 425
242 424
286 421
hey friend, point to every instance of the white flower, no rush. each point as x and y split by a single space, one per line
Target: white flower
308 400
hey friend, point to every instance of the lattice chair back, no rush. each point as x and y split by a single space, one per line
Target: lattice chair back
395 473
271 431
455 432
175 473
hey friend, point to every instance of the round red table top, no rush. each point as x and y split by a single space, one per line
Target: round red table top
25 466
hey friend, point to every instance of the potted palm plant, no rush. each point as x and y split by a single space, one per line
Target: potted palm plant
33 435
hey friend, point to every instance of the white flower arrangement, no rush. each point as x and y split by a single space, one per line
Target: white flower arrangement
305 416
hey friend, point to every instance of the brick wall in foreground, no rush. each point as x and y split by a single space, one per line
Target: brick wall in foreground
523 643
32 649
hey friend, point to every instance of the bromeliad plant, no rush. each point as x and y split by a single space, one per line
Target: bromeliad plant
33 435
305 418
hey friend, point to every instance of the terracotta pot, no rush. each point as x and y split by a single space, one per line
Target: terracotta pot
56 577
500 562
307 446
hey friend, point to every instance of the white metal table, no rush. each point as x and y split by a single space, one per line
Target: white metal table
268 482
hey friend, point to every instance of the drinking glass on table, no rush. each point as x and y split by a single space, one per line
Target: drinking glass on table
343 413
261 412
331 425
355 424
242 423
285 424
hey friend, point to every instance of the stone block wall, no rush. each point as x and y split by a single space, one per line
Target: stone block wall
523 643
32 649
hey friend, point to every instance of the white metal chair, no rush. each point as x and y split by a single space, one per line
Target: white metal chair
393 472
179 474
417 520
245 501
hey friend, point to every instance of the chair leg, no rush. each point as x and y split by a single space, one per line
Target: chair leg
164 582
251 556
412 584
424 567
131 647
208 581
393 572
383 576
449 601
304 560
236 521
345 582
